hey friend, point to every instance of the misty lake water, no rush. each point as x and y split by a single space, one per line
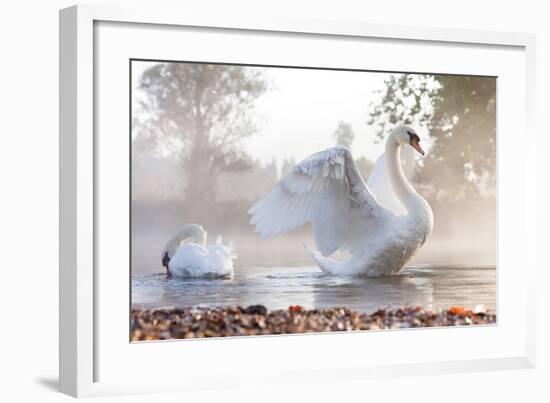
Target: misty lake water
277 287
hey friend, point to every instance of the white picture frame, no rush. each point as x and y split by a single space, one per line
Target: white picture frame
80 288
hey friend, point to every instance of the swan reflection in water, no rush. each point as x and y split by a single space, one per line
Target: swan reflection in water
367 294
278 287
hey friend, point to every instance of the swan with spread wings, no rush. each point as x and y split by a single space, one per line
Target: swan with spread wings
381 223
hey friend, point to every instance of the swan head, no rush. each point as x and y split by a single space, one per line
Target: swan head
405 134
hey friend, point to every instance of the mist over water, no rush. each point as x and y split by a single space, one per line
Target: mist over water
468 241
278 273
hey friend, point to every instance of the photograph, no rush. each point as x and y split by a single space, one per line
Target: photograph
273 200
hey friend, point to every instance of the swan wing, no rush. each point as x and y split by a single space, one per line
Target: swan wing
380 184
327 190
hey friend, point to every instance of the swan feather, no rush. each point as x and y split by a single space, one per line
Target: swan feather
323 189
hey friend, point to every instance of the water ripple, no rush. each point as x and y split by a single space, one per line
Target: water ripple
280 286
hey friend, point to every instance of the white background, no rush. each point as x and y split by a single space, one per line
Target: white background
28 213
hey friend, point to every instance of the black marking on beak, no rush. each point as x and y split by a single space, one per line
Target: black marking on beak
414 141
413 137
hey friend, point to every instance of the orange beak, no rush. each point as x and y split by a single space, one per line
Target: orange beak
416 146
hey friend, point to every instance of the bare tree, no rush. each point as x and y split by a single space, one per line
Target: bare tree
198 115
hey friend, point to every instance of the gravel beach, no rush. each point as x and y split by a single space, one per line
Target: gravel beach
184 323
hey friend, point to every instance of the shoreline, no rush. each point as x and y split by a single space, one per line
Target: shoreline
255 320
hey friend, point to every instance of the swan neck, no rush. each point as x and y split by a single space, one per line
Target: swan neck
193 231
400 185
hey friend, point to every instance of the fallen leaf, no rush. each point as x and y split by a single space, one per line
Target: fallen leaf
457 310
295 308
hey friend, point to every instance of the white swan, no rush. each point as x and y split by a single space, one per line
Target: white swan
380 224
186 255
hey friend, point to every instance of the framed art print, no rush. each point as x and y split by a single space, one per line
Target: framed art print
249 193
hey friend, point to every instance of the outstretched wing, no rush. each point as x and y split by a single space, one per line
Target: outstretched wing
327 190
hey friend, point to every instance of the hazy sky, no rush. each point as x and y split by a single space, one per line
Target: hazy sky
300 112
305 107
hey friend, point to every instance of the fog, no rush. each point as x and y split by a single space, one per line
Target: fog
208 141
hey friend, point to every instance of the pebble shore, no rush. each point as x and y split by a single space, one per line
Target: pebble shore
185 323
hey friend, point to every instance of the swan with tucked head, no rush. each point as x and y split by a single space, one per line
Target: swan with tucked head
381 224
186 254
